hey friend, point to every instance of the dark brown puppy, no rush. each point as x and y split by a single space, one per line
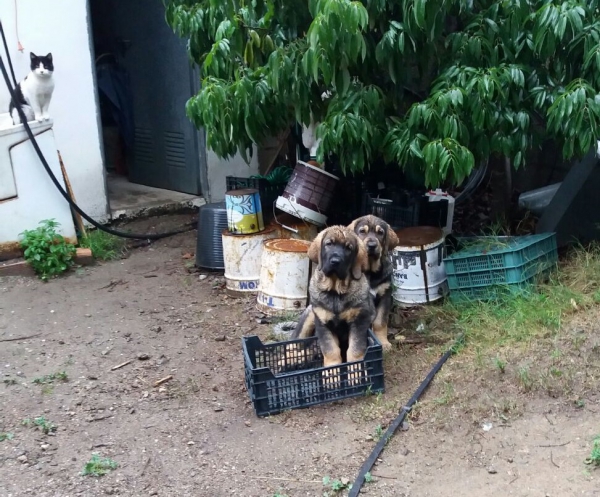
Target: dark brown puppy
341 309
378 239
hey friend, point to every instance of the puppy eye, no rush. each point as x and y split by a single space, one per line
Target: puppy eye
349 246
379 230
327 242
362 230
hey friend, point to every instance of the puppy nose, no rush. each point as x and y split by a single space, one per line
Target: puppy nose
371 244
334 261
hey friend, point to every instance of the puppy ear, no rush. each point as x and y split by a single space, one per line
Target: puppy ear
392 238
352 225
314 251
361 262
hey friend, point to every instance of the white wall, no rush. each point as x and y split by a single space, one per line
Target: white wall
219 169
63 28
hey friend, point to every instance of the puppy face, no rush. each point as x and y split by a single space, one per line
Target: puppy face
339 253
376 235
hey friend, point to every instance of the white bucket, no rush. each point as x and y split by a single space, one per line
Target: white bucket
242 255
419 275
284 275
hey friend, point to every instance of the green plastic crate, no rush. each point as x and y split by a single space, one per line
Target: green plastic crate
486 266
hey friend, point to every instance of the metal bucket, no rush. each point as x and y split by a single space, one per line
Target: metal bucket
244 211
308 194
242 255
419 275
284 275
291 227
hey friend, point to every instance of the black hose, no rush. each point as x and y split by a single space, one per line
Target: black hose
122 234
368 464
12 71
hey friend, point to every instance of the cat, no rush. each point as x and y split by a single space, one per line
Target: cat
33 94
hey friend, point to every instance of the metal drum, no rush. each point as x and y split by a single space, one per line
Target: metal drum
242 254
308 194
419 275
244 211
284 276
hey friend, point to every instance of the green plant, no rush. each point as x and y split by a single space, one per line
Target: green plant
50 378
6 436
594 458
500 364
369 477
335 486
41 422
104 246
379 431
434 87
46 250
98 466
525 378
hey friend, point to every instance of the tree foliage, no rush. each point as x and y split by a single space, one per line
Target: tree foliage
434 85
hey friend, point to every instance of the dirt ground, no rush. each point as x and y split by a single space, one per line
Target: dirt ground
197 434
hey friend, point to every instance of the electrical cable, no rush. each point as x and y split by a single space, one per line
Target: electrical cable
370 461
122 234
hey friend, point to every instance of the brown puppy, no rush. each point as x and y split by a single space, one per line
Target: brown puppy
378 239
341 309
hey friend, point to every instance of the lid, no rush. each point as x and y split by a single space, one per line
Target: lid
287 245
419 235
243 191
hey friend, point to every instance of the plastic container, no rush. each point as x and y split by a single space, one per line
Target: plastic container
212 220
290 375
244 211
537 200
439 195
268 191
407 210
485 265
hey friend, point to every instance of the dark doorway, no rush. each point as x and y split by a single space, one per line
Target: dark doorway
144 79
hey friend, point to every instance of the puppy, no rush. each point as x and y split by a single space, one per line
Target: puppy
341 310
378 239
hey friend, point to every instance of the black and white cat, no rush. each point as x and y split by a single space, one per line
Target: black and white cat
33 94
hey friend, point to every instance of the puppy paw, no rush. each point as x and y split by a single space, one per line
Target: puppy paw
291 357
386 345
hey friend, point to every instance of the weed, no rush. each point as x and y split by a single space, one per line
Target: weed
10 381
580 403
335 486
41 423
46 250
379 431
557 373
104 246
447 396
369 477
279 494
500 364
98 466
47 389
51 378
6 436
525 378
594 458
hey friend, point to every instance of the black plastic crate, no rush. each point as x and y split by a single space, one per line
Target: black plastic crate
268 191
407 210
290 374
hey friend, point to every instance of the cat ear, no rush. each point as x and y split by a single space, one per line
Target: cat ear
49 56
32 56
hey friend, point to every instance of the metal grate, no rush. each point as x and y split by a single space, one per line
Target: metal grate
143 148
175 149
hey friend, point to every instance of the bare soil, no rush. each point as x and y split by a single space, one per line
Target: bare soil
197 433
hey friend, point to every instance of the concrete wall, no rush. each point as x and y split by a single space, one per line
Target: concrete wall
62 27
219 169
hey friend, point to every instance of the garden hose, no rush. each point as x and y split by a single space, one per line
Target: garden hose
122 234
368 464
